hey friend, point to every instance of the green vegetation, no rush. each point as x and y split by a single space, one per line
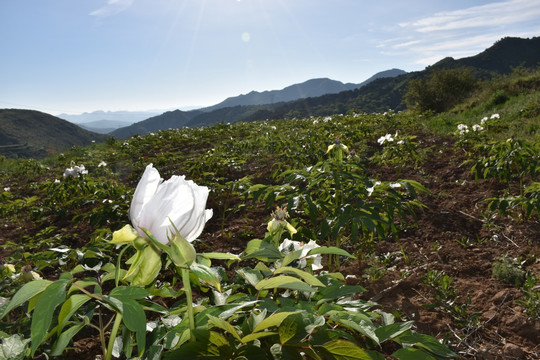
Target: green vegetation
347 186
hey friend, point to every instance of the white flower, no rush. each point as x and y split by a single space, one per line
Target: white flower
477 127
483 121
7 188
103 163
463 129
385 138
395 185
157 203
371 189
75 170
495 116
327 119
290 245
273 127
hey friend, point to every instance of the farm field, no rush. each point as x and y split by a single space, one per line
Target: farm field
427 225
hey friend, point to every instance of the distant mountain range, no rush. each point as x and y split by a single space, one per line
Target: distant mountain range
378 95
235 108
310 88
30 133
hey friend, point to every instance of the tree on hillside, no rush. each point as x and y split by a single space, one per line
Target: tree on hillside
440 91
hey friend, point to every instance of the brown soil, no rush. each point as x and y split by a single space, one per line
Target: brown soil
454 213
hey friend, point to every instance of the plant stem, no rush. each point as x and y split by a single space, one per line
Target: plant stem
189 302
114 331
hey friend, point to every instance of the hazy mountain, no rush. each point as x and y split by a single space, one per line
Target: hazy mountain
242 106
101 118
30 133
309 88
168 120
103 126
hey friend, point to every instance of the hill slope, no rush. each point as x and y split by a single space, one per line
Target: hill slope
29 133
309 88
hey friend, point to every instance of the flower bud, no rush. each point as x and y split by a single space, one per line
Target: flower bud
182 252
125 235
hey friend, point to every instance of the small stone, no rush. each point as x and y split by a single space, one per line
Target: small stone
513 351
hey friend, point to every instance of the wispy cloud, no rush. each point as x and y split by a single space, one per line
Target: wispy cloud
464 32
112 7
499 14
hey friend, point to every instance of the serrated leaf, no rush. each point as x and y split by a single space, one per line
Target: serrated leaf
307 277
346 350
284 282
28 291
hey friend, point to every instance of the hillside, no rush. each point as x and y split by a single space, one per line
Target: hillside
378 95
310 88
29 133
441 213
245 107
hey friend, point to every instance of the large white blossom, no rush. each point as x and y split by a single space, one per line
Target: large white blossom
158 204
385 138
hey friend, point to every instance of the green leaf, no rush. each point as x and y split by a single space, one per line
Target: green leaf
28 291
429 343
70 306
51 297
13 347
65 338
330 251
392 330
284 282
224 325
255 336
206 274
130 292
250 275
273 320
290 257
135 320
346 350
337 291
290 327
307 277
412 354
220 256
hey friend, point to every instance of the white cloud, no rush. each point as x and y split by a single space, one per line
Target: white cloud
464 32
495 14
112 7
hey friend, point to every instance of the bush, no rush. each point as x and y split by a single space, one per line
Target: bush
440 91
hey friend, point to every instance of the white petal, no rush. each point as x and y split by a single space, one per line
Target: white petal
146 188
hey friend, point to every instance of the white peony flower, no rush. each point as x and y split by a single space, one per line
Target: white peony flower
290 245
75 171
477 127
371 189
385 138
495 116
157 203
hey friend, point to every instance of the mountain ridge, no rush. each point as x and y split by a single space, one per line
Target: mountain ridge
31 133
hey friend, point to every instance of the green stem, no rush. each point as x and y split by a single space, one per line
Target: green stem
189 302
114 331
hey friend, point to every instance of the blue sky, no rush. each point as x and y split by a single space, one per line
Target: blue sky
74 56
